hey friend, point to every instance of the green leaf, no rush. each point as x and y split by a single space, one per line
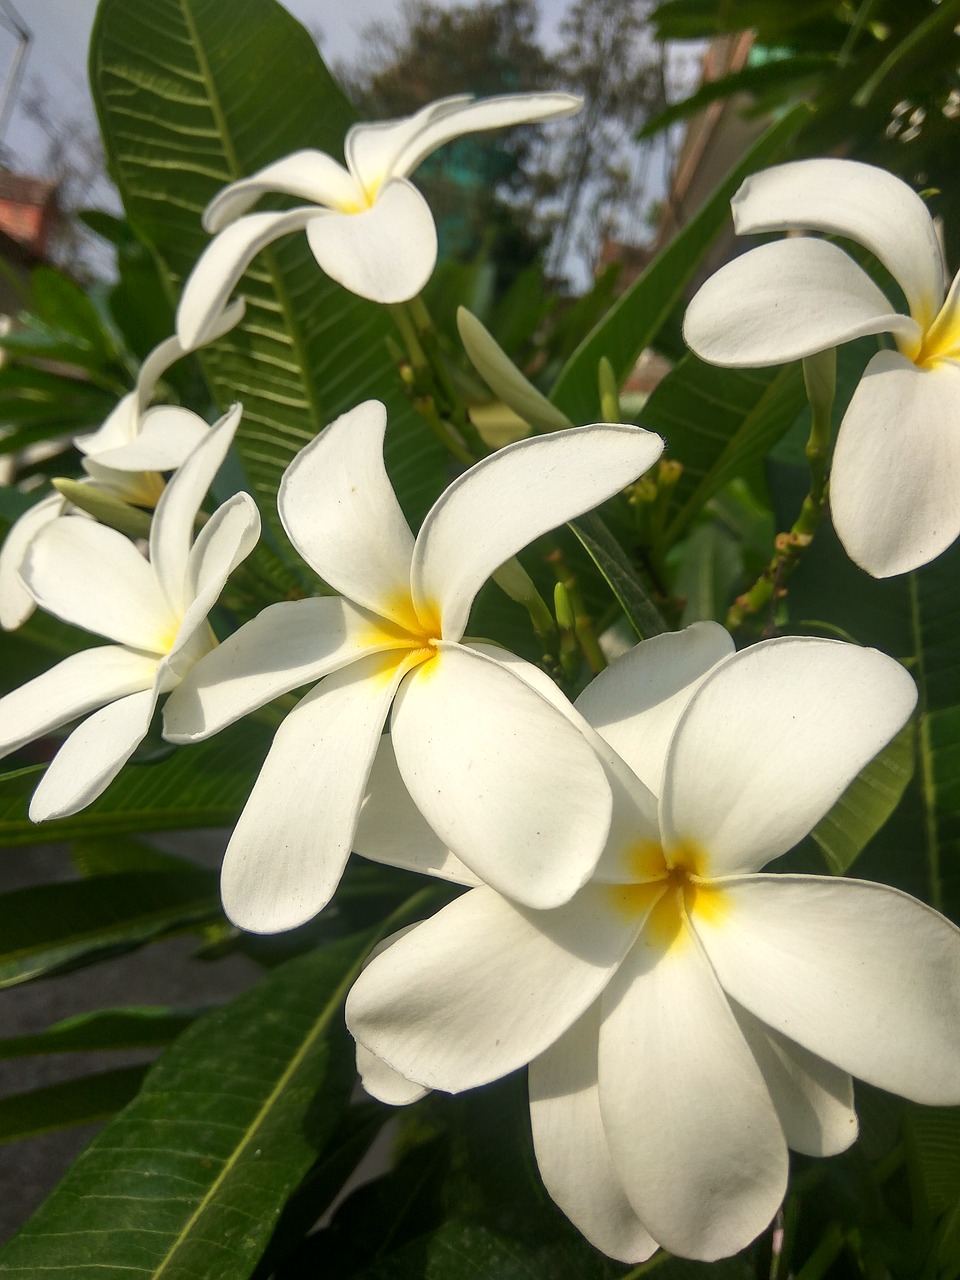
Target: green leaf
718 423
783 76
198 786
191 95
866 804
935 1139
619 573
51 927
136 1027
634 320
68 1103
708 575
191 1178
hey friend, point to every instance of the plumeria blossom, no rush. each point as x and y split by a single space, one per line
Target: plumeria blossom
125 457
491 762
686 1017
896 469
154 613
368 226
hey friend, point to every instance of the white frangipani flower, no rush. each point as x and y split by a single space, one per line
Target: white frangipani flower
685 1018
895 483
495 768
124 457
153 611
368 226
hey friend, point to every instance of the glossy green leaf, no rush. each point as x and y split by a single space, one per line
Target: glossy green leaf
619 573
718 423
50 927
635 319
68 1103
191 1178
866 804
137 1027
197 786
191 95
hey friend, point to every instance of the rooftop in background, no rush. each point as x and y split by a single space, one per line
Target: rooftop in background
29 212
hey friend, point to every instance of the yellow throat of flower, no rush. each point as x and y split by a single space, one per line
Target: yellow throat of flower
671 889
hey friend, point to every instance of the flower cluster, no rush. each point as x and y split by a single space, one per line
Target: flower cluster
686 1016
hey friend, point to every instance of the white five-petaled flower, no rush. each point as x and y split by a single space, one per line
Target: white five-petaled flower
369 228
125 457
154 612
685 1018
895 482
495 768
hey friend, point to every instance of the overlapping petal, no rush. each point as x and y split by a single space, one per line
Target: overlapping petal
895 480
373 149
291 842
460 544
860 974
168 434
385 1084
92 756
787 300
484 986
692 1130
813 1098
387 252
94 577
16 602
288 645
636 702
572 1151
493 766
859 201
220 266
172 526
78 684
307 175
770 741
392 830
340 512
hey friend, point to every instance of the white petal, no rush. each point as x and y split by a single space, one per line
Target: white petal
505 780
571 1147
634 817
171 350
172 528
339 509
308 175
895 482
119 428
770 741
385 253
866 204
292 840
786 300
813 1098
220 266
16 602
410 141
95 578
225 540
372 148
73 687
506 500
483 987
860 974
692 1130
92 756
636 702
288 645
393 831
385 1084
168 434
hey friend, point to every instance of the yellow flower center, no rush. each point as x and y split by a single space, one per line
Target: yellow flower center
940 339
671 889
408 637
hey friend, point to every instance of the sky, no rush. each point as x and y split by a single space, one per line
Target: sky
60 31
